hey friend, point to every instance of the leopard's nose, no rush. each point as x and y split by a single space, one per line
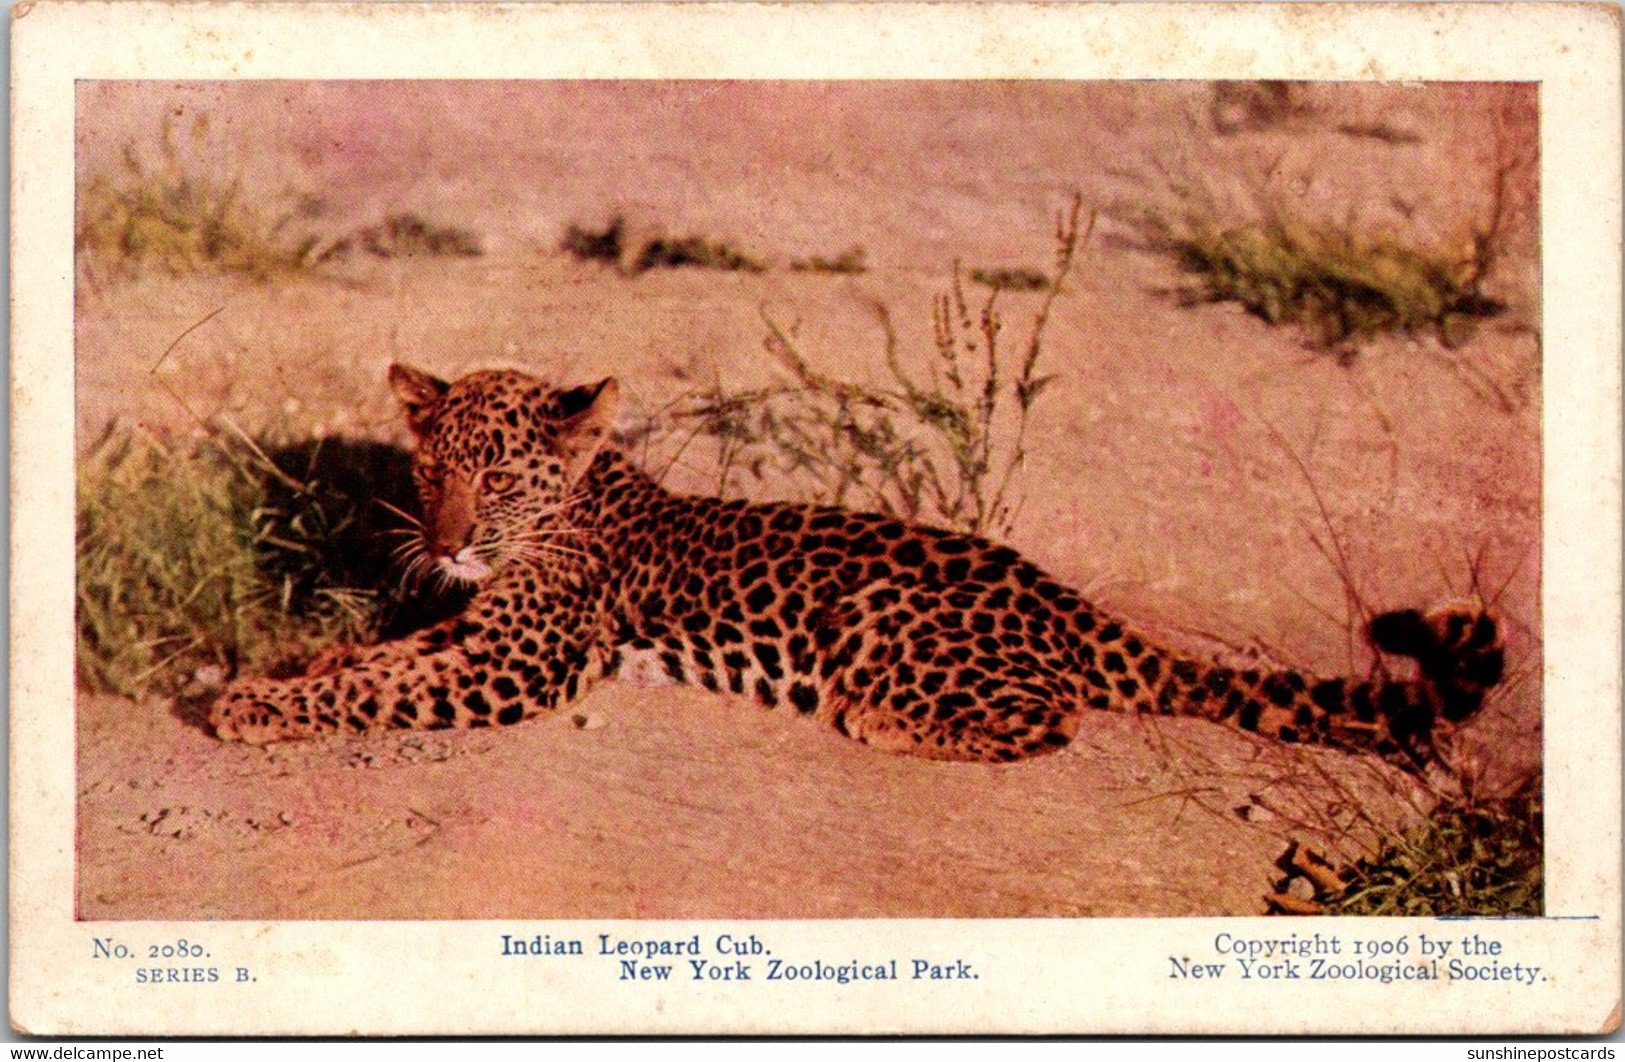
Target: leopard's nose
448 533
449 523
444 543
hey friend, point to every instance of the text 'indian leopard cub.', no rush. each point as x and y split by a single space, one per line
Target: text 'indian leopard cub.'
908 638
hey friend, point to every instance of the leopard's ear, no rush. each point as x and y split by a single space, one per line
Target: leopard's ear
419 395
588 414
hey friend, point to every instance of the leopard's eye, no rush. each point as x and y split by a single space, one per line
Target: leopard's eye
498 481
430 474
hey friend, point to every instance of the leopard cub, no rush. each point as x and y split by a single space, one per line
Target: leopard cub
908 638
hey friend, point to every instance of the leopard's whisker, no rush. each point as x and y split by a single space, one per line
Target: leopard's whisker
402 513
409 577
568 530
412 572
567 502
538 550
529 540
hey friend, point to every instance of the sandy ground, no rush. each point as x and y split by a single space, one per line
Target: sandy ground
1170 478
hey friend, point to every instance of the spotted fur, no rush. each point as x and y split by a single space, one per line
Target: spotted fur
908 638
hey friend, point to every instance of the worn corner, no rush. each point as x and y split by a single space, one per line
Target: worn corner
1610 1024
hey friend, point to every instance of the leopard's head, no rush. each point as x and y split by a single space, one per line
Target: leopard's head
499 457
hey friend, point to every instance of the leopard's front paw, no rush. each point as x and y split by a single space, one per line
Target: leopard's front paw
252 712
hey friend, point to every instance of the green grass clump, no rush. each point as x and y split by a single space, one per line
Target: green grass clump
180 216
1019 278
1342 282
1470 857
944 447
184 219
1343 287
850 262
221 553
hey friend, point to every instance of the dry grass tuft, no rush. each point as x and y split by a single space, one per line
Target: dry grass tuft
1017 278
1342 286
1404 844
1470 856
675 252
612 246
407 235
945 449
181 218
1251 106
607 244
850 262
1342 282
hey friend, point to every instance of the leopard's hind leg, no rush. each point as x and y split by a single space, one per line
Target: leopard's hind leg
948 727
914 671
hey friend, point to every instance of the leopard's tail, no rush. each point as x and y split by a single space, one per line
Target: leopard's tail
1459 659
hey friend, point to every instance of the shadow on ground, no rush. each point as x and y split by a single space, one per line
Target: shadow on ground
327 523
342 502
